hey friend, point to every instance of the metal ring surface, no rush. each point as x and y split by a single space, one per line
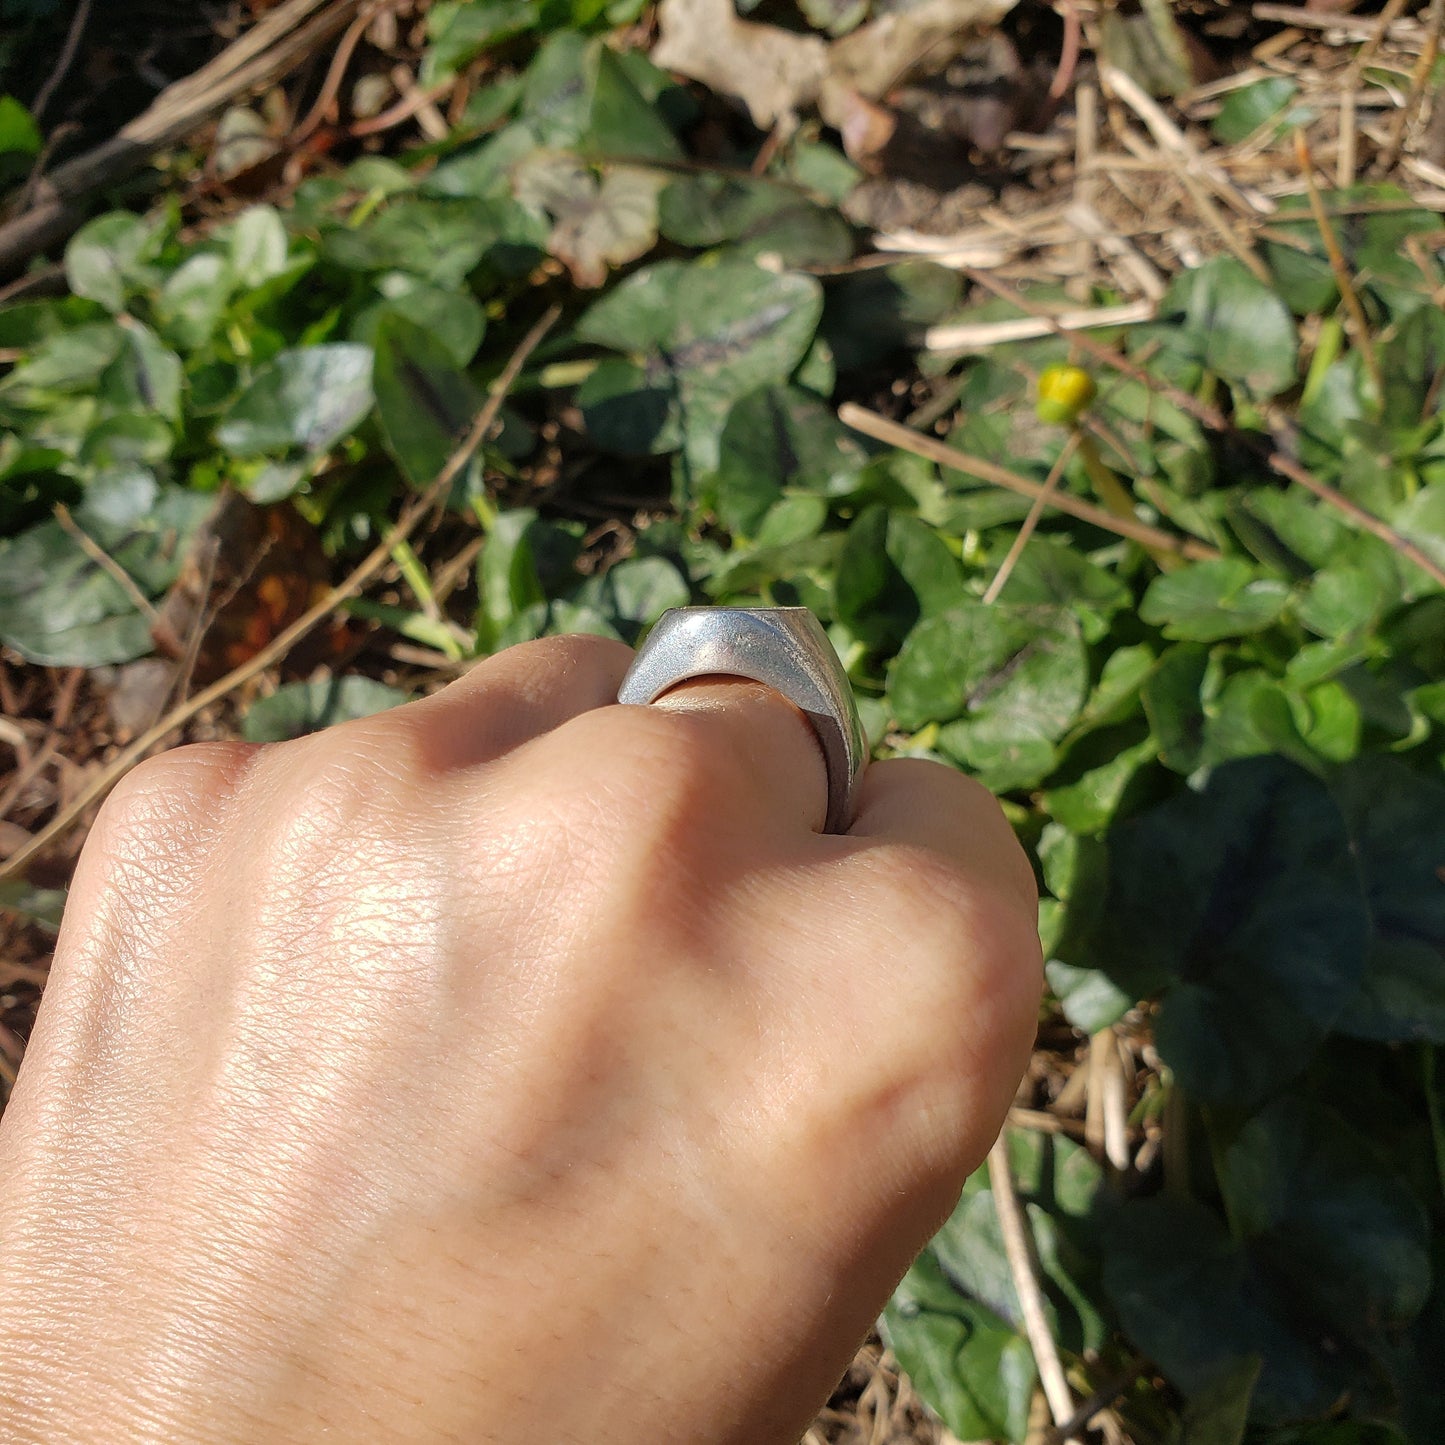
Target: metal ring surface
784 648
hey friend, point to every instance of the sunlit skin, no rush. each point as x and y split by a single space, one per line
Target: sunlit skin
509 1067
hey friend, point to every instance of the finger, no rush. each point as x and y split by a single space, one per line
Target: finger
516 695
759 731
913 800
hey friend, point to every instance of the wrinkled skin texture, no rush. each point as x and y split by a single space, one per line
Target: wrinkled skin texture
508 1067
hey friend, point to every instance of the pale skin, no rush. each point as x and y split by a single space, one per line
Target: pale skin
510 1067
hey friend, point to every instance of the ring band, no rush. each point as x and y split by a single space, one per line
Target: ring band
784 648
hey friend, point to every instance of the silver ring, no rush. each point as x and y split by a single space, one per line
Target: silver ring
784 648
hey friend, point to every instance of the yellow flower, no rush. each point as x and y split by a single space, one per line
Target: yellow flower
1064 394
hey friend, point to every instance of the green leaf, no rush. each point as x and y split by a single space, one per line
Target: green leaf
874 313
1207 601
424 402
18 131
454 319
1396 820
1059 1184
440 241
1344 1231
524 561
145 377
109 259
702 336
1252 715
1340 601
975 1371
306 707
1235 326
40 905
1090 999
1242 902
956 1318
60 607
1173 705
1006 681
193 300
1246 109
258 246
70 361
759 217
461 30
1218 1412
775 439
1050 571
635 593
620 121
894 572
308 398
1199 1305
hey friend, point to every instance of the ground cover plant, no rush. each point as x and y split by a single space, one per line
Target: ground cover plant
1173 589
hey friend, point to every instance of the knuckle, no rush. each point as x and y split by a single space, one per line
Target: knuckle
175 794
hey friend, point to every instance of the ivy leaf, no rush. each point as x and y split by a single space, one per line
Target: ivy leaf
1252 715
193 300
441 241
1218 1413
1051 572
1172 703
1208 601
972 1368
1347 1233
775 439
1090 999
1006 681
1396 819
1199 1304
1244 900
701 336
1246 109
308 398
18 132
461 30
109 259
1059 1185
453 319
757 216
258 246
299 708
635 593
894 571
424 402
60 607
146 375
1235 326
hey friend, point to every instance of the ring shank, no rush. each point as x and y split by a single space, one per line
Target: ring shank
784 648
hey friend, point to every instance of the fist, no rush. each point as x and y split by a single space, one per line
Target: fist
508 1067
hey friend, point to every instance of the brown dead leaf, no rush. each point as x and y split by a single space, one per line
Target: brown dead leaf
773 74
776 74
249 572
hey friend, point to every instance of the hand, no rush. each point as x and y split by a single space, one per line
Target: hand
508 1067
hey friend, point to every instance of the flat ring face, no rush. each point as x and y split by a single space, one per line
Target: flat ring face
784 648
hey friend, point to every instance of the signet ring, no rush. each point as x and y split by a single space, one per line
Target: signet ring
784 648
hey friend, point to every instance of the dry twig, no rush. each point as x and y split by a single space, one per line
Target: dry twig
264 53
373 563
1014 1229
870 423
